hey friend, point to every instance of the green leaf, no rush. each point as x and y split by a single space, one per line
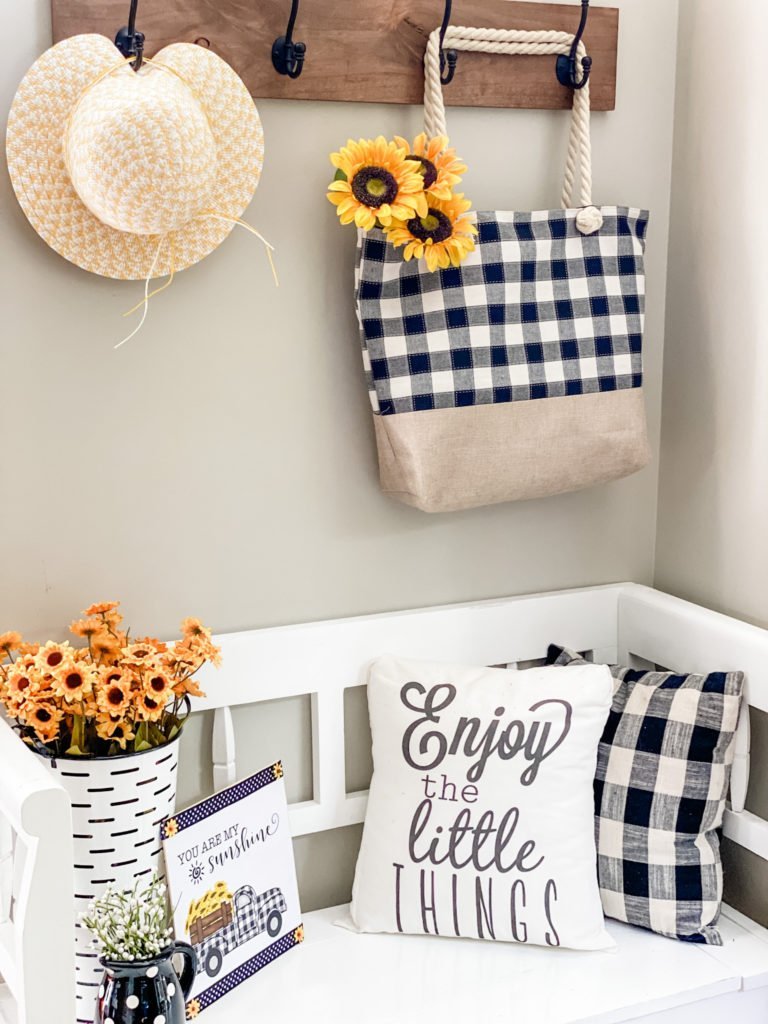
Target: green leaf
76 751
174 731
339 175
156 736
142 745
78 731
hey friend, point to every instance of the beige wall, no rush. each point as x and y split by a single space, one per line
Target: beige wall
712 542
223 464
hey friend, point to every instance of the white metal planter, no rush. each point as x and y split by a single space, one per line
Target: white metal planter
118 804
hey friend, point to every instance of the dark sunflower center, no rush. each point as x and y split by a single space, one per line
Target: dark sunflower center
149 703
54 659
73 680
115 695
435 225
373 186
42 715
158 684
23 683
426 167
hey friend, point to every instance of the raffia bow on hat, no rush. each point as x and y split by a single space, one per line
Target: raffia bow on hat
133 175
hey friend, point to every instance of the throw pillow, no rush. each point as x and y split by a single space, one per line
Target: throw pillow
480 816
663 770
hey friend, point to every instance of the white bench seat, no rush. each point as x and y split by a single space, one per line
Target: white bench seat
340 977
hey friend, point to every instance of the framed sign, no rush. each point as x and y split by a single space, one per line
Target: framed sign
232 881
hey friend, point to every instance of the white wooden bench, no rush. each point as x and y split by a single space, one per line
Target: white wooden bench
339 976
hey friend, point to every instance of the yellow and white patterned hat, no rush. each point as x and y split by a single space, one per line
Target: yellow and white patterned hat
133 174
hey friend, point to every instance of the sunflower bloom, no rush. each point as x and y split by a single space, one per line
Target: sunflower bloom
439 165
10 641
188 687
138 654
443 238
148 709
151 641
45 718
113 694
193 1009
86 628
158 685
72 681
115 728
377 182
21 685
102 608
298 933
170 828
105 649
51 655
194 627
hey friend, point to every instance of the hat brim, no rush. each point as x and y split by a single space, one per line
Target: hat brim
39 176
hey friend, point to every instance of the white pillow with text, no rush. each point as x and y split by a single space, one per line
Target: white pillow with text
480 820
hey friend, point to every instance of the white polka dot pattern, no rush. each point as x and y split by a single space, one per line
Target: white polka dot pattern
132 1002
35 150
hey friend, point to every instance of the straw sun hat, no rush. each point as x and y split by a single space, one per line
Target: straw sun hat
133 175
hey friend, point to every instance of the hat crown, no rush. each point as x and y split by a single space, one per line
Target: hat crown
140 152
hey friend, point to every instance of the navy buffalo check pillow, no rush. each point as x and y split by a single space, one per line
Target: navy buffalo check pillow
663 769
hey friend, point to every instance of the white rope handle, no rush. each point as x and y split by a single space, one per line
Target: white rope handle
515 41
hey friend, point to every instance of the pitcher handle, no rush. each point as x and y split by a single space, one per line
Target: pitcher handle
189 970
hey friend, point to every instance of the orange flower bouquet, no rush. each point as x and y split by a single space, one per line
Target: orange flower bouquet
113 695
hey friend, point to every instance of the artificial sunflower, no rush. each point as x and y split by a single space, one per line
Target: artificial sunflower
159 686
439 166
51 655
86 628
194 627
150 641
444 237
44 718
375 181
148 709
188 687
20 685
138 653
115 728
170 828
10 641
72 681
193 1009
103 608
298 933
105 649
113 694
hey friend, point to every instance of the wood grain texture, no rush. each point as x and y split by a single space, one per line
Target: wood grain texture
364 50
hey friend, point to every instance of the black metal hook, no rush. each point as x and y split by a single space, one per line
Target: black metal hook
130 42
567 64
448 58
287 56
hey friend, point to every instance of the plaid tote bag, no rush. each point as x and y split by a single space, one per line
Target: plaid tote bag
517 374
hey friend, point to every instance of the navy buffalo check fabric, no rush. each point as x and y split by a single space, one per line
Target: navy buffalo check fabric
539 310
663 769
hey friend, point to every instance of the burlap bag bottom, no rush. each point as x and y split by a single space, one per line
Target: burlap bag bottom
445 460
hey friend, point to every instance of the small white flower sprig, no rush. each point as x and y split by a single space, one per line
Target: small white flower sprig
130 925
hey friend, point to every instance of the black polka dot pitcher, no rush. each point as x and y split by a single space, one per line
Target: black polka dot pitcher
147 991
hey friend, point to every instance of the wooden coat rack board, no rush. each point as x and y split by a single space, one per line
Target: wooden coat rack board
365 50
